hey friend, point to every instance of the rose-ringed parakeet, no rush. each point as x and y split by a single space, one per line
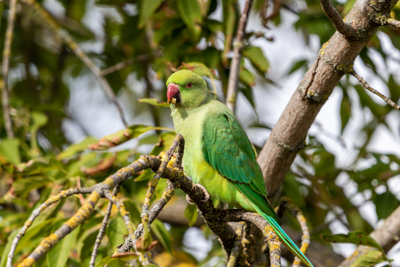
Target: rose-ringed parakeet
218 154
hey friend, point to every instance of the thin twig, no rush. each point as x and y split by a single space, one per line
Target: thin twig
393 23
165 198
36 213
274 13
122 210
234 257
374 91
305 238
5 68
337 21
69 41
152 186
237 55
123 64
83 213
47 243
102 228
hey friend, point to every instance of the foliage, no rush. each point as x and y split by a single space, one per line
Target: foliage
41 161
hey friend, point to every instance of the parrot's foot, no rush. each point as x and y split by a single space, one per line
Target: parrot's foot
189 200
207 195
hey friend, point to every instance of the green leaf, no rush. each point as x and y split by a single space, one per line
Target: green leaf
154 102
257 58
248 93
162 235
297 65
191 214
23 186
385 204
190 13
345 109
145 176
9 151
229 20
371 258
58 255
76 148
39 165
355 237
146 10
394 89
116 231
39 119
246 77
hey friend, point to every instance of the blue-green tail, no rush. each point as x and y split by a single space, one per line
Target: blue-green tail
284 237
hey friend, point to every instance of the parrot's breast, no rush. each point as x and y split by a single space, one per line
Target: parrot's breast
190 123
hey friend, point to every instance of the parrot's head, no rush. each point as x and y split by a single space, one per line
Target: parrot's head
186 89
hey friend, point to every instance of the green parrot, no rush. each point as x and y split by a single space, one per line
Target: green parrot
218 154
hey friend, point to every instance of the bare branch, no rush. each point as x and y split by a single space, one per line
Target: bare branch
337 21
265 18
152 186
102 229
274 245
123 64
69 41
234 257
84 212
47 243
288 135
374 91
237 55
393 23
122 210
155 211
36 213
5 68
387 236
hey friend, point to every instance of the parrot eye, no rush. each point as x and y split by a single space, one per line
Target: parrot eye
189 85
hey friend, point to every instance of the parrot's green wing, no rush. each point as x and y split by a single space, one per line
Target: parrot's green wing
228 150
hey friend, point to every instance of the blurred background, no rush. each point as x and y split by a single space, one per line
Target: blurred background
347 178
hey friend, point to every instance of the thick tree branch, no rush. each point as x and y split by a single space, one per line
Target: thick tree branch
387 236
69 41
5 68
289 134
341 26
237 56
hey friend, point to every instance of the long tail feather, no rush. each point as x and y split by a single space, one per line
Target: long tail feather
284 237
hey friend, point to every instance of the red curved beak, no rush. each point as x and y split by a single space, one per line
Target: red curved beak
173 93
